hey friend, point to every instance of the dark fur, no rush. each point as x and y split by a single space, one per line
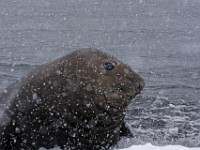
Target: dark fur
73 101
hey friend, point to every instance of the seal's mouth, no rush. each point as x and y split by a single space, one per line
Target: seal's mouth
109 111
121 95
131 87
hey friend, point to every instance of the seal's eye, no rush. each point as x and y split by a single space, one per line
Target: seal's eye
108 66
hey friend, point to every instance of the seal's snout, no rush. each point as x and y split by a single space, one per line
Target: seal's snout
140 85
138 82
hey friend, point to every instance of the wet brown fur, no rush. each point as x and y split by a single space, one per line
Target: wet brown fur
72 101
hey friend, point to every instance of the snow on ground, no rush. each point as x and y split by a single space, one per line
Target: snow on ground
148 147
152 147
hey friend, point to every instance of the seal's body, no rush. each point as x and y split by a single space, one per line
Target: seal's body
78 100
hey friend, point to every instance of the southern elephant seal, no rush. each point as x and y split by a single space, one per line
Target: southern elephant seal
78 100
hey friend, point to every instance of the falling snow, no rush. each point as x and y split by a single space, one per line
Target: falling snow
159 39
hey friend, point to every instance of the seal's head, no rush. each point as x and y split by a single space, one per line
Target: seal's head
100 83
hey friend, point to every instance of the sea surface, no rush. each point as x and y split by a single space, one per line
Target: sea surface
160 39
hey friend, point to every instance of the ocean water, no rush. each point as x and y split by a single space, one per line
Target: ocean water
159 39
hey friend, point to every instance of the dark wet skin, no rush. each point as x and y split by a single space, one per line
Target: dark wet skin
77 101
